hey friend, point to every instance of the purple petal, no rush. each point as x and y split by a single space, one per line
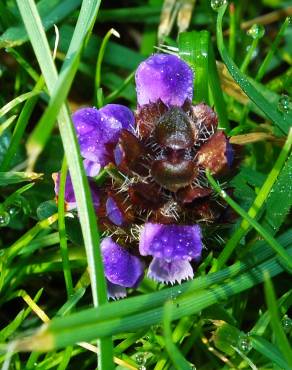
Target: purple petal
114 118
96 129
171 242
115 291
229 154
113 212
87 122
170 272
70 199
120 266
91 168
166 77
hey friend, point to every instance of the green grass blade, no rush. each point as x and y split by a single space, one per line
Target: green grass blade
51 12
13 103
197 50
24 64
262 231
279 201
272 49
6 124
100 56
87 325
41 133
258 203
21 125
178 360
269 351
280 337
86 212
194 49
244 83
7 178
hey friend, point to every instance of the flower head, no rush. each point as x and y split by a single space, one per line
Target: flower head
158 200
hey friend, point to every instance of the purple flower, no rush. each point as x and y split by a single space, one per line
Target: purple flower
173 247
159 184
122 269
164 77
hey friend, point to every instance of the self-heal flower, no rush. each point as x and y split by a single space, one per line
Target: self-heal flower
157 201
173 247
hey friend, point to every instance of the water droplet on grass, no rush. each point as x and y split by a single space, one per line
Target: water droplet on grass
287 323
217 4
284 103
4 218
244 344
140 359
257 31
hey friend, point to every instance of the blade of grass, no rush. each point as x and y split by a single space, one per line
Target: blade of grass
116 93
21 125
280 337
41 133
197 50
257 204
178 360
269 351
249 54
262 231
86 212
13 103
51 12
6 124
7 178
87 325
100 56
279 202
156 299
193 48
24 64
262 70
233 28
269 110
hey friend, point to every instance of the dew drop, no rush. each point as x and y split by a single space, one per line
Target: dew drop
217 4
140 359
284 103
287 323
244 344
4 218
13 211
257 31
